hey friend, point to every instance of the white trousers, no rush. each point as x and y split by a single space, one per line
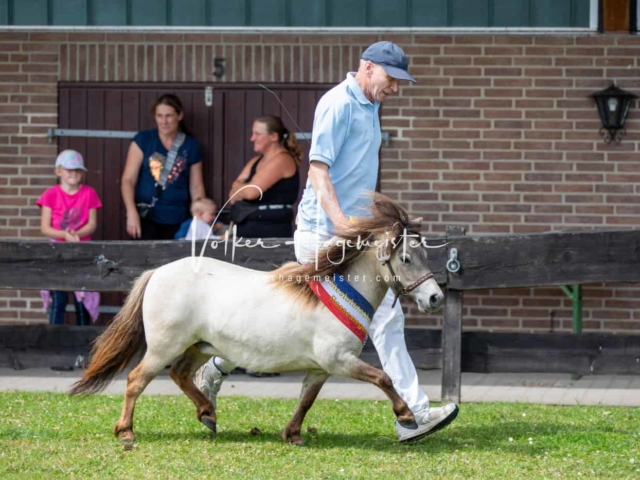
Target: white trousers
386 332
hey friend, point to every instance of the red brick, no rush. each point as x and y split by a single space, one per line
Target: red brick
503 72
451 186
462 113
13 78
512 40
40 47
512 82
503 92
594 72
491 145
543 114
541 198
433 39
11 47
501 155
554 40
511 208
549 324
493 61
533 61
451 61
573 62
466 134
492 187
42 78
9 68
471 207
508 51
420 92
468 82
467 51
544 51
503 324
543 135
481 124
614 62
51 109
585 52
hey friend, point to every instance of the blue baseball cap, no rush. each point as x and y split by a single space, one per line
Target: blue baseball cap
390 57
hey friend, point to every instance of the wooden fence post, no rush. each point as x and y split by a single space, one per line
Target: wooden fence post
452 334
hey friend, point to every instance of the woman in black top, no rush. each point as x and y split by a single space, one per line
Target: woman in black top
275 172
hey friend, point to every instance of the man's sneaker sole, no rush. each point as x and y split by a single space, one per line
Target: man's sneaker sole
450 418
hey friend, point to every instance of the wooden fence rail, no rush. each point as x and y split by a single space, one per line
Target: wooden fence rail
492 261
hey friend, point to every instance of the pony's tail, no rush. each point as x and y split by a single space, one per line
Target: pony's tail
118 344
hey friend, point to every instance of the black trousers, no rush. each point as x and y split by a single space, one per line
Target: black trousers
157 231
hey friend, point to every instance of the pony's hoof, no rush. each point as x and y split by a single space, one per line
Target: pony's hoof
293 439
127 438
297 441
209 423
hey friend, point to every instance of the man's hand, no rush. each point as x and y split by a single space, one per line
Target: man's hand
343 224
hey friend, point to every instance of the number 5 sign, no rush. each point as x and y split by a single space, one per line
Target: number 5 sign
218 67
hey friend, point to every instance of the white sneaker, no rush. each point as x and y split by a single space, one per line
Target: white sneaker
437 420
209 380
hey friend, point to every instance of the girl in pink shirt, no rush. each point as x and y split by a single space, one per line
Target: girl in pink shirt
69 214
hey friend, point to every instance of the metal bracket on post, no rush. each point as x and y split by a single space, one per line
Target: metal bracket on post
453 265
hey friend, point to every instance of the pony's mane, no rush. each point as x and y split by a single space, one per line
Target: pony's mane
388 218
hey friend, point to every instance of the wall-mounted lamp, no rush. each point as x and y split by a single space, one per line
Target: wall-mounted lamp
613 105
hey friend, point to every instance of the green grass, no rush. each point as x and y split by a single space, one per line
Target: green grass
46 435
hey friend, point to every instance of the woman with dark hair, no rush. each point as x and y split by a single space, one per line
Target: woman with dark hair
163 174
275 172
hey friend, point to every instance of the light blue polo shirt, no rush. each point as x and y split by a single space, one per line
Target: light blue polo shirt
346 136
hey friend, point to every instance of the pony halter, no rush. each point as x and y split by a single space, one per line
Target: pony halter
385 258
402 290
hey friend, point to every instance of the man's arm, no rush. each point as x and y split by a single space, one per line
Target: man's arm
321 183
330 128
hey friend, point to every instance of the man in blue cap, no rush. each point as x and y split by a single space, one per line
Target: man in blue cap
343 167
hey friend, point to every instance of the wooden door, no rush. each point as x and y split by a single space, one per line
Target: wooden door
223 130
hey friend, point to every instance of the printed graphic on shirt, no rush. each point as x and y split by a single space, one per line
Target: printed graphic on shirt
156 164
71 219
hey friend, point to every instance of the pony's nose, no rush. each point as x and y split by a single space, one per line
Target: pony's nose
435 300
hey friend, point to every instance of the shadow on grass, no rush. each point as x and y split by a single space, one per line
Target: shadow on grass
455 437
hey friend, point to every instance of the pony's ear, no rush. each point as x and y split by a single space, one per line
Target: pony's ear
416 222
383 248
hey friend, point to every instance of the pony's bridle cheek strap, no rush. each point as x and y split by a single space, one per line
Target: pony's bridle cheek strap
405 290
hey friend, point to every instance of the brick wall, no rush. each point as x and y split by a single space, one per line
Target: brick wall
498 136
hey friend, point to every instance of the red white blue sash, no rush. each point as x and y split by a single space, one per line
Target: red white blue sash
346 303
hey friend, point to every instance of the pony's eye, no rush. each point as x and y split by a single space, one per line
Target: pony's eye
405 258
